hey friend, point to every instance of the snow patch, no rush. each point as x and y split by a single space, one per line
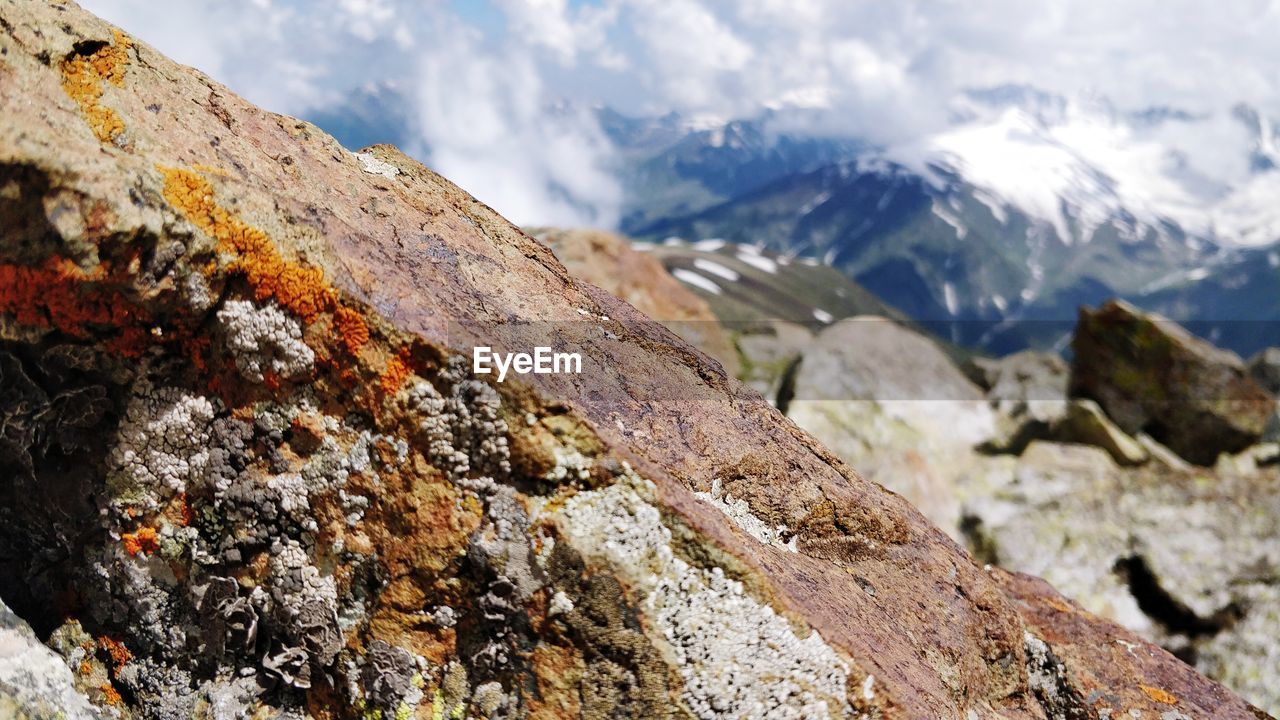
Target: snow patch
715 268
690 277
759 262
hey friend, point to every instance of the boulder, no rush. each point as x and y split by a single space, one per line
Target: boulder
35 682
248 455
1265 368
1084 423
1150 375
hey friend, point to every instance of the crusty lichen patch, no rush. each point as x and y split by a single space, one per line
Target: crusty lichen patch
736 656
83 76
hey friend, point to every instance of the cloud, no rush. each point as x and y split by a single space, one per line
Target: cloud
501 90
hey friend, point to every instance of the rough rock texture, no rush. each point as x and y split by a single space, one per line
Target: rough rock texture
35 683
1151 375
889 401
607 261
209 521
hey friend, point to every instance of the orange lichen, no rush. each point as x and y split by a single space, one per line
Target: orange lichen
110 695
144 541
119 654
394 375
86 667
82 79
1159 695
60 295
351 328
185 515
300 289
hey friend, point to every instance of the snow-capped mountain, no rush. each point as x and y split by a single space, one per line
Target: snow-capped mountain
1024 207
1079 164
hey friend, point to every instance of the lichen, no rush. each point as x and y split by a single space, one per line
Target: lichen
263 339
162 444
737 656
739 511
82 79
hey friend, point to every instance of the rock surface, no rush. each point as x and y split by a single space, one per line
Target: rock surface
607 261
891 403
1151 375
35 682
255 476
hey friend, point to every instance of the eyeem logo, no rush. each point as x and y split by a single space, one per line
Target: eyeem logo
542 361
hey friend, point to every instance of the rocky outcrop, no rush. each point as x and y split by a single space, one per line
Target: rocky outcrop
1150 375
255 474
35 682
1181 557
1125 528
607 261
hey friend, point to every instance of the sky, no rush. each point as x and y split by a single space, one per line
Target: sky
498 95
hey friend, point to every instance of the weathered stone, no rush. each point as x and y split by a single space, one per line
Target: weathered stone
35 682
376 479
1265 368
1084 423
1150 375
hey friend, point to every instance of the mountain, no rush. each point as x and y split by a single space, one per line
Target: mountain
673 165
1027 205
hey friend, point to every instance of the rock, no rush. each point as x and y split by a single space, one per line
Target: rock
376 476
1150 375
771 352
892 404
35 682
1026 383
1084 423
1178 556
607 261
1265 368
1162 454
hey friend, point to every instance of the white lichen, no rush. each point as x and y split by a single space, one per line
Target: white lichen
463 433
374 166
559 605
737 657
162 444
740 513
295 582
262 339
570 464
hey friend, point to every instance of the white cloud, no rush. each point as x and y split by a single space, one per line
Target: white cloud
486 95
